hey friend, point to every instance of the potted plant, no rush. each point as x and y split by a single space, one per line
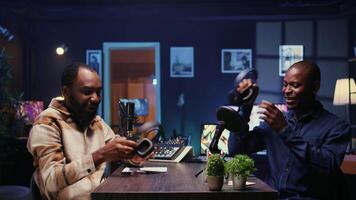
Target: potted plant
10 124
240 167
215 172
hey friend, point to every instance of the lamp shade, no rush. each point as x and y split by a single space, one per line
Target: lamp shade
342 92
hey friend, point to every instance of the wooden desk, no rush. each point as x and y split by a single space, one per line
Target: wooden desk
178 183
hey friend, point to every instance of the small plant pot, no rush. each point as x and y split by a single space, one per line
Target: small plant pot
215 183
238 182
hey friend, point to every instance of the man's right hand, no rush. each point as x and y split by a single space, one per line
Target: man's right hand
244 86
117 149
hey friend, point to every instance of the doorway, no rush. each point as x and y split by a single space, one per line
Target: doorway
131 71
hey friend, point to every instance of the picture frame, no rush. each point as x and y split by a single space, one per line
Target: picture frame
288 55
182 62
94 59
235 60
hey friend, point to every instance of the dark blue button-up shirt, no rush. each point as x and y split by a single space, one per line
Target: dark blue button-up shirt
305 157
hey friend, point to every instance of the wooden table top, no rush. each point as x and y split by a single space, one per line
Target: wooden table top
179 181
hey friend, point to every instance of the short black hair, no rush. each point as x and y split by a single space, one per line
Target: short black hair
70 73
312 67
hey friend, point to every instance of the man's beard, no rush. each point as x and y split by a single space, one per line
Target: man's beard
80 114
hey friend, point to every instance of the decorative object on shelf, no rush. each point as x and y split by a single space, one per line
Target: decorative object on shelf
235 60
29 110
240 167
215 172
288 55
182 62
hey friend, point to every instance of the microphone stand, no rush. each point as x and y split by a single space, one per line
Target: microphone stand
127 117
130 118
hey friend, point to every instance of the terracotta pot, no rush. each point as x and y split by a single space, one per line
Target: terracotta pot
215 183
238 182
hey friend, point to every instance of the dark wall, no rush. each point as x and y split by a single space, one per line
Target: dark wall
203 93
209 87
207 29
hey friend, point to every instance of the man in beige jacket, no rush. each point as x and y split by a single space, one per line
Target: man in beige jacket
70 144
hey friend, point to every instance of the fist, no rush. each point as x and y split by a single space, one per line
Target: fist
248 91
272 116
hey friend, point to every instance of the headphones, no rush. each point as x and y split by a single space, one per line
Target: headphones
238 99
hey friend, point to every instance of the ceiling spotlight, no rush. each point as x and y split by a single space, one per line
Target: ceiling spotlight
62 49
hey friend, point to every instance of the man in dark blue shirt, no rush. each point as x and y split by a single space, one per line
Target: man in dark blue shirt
305 147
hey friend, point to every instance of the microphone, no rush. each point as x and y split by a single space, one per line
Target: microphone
145 146
130 111
213 148
228 118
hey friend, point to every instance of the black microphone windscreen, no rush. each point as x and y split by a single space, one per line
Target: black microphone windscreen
130 110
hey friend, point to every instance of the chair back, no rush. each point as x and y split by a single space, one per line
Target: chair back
35 191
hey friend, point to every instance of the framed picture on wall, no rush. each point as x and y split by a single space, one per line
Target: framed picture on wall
288 55
235 60
182 62
93 59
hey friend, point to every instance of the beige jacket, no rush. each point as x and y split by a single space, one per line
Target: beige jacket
62 153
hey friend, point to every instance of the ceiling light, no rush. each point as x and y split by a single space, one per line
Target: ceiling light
62 49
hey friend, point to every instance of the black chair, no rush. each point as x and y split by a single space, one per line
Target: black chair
35 191
14 192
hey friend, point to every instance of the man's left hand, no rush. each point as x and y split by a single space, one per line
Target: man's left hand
272 116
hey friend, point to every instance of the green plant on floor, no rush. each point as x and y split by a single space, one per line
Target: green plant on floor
240 165
8 101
